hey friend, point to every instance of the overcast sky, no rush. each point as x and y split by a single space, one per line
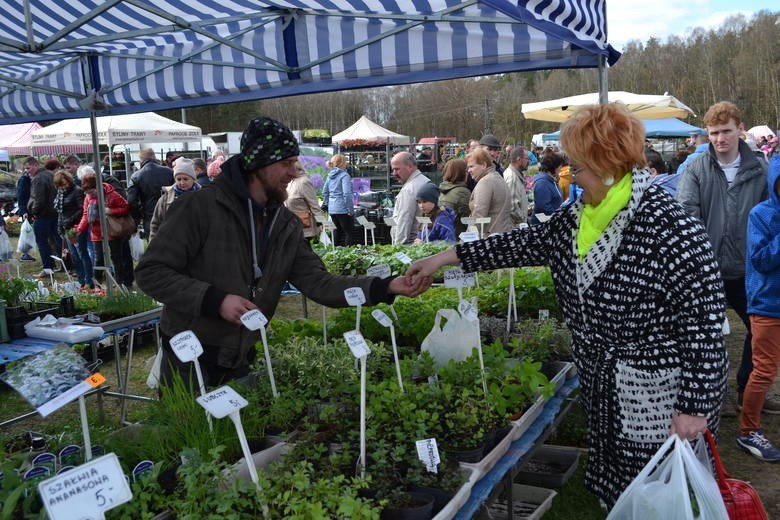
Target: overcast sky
642 19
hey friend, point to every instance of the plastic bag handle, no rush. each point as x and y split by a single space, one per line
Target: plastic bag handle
720 470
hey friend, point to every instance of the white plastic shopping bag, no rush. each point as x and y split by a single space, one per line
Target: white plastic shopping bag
153 379
136 247
674 484
455 340
6 251
26 238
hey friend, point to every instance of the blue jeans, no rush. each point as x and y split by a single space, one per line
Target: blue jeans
45 229
737 299
81 260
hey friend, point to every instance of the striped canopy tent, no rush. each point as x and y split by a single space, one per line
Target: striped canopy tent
69 58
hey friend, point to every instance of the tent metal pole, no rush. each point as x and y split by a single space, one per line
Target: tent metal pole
101 197
603 83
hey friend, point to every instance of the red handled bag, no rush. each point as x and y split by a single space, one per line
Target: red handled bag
742 501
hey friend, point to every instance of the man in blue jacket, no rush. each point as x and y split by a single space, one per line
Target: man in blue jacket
762 284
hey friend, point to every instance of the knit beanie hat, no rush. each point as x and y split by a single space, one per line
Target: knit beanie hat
184 166
264 142
429 192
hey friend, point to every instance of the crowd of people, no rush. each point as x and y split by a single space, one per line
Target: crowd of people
61 202
643 260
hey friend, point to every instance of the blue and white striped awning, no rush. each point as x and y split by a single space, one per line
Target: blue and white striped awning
145 55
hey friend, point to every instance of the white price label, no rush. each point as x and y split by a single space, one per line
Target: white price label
469 221
403 257
380 271
222 402
483 220
544 314
454 278
254 319
423 220
361 220
390 221
355 296
381 317
428 453
86 491
468 310
357 343
469 236
186 346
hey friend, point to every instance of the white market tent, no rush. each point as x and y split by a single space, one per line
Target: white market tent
147 127
367 130
644 106
17 140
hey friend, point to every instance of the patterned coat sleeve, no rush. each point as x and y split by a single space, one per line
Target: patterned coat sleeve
696 292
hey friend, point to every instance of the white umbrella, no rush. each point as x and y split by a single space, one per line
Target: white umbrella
644 106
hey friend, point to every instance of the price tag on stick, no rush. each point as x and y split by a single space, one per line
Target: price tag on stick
356 298
357 343
385 321
381 271
86 491
403 258
186 346
428 453
222 402
254 319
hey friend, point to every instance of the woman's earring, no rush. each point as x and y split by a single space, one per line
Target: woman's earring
608 181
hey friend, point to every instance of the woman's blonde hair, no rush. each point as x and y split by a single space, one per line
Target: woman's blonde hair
480 156
607 139
338 161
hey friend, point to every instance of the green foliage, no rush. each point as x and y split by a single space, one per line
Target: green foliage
540 340
115 304
148 500
533 291
356 260
15 290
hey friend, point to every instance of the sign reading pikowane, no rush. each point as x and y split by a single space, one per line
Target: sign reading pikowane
84 492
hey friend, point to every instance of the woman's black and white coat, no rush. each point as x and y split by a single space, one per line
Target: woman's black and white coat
646 310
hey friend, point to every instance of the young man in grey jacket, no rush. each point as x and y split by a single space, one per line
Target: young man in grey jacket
228 249
720 187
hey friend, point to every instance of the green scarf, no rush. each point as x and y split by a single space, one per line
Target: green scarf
595 219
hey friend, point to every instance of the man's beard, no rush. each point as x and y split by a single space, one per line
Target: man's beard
274 194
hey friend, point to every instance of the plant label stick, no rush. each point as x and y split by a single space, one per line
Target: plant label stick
355 298
357 344
254 320
101 486
403 258
187 348
428 453
324 328
222 402
385 321
380 271
469 311
511 306
469 236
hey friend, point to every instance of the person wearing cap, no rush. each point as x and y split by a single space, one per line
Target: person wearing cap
145 187
442 226
702 144
228 249
492 146
185 181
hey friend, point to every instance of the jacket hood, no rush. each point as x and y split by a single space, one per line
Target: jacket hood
446 186
335 172
772 178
